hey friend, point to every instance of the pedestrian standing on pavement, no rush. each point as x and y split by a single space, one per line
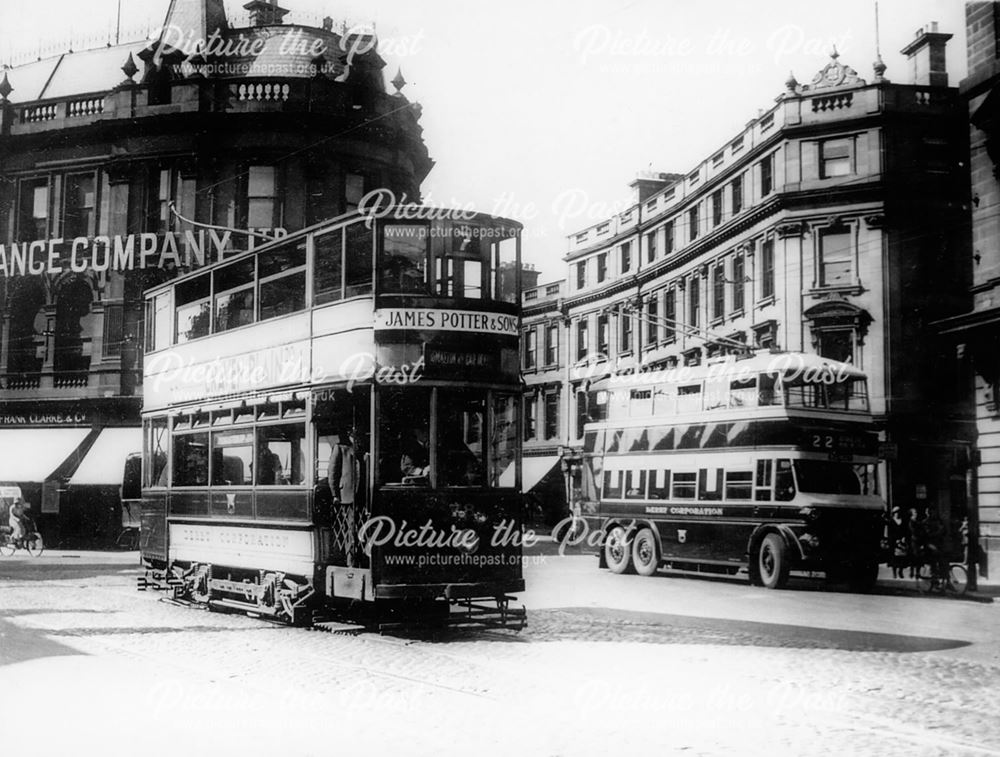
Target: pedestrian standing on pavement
899 543
344 474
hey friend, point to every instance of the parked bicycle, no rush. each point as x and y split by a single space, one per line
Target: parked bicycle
31 542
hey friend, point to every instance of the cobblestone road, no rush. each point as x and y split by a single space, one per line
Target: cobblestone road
92 662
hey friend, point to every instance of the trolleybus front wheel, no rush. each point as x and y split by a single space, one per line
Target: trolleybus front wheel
772 562
616 551
645 555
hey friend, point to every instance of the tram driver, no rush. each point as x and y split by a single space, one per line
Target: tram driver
415 459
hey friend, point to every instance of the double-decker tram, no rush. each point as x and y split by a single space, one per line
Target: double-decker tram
767 463
331 420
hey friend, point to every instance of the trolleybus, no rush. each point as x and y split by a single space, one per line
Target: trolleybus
332 420
767 464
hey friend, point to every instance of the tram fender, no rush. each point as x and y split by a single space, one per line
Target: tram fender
786 533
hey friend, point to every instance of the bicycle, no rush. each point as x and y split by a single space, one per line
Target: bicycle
128 540
931 577
31 542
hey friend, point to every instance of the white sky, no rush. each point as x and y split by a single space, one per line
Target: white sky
545 111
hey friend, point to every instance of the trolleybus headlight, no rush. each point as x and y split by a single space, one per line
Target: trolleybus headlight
811 514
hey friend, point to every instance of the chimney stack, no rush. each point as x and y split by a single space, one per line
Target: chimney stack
265 12
927 57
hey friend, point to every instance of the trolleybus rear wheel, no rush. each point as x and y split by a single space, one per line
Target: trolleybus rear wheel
645 555
616 552
772 562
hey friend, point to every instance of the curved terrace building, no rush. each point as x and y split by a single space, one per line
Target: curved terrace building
255 131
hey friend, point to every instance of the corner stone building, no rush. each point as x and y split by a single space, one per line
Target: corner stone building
272 127
834 223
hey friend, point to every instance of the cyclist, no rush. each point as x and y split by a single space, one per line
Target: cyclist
16 520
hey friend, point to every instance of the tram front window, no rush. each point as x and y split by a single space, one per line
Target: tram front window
826 477
404 259
404 433
461 426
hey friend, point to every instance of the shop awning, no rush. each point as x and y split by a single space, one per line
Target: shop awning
32 454
533 470
105 462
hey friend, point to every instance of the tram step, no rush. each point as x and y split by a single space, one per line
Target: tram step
340 629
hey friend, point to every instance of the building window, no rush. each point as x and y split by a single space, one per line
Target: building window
767 269
739 283
603 335
737 192
72 309
718 292
716 207
652 322
767 175
668 238
694 301
669 314
625 323
27 322
530 347
693 223
582 414
354 191
582 339
626 257
81 202
552 345
581 274
836 344
551 415
836 158
602 267
34 222
835 258
651 246
262 197
530 416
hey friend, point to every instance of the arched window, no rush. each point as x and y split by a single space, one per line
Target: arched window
27 322
72 305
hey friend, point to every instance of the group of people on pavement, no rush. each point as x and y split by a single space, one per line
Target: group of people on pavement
918 539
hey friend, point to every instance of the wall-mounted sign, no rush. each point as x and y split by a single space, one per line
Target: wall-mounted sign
134 252
425 319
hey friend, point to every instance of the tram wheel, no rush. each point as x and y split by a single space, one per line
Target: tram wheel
772 562
645 555
616 552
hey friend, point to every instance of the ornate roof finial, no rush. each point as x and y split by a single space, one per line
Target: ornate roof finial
5 88
879 67
791 84
834 54
398 81
130 69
